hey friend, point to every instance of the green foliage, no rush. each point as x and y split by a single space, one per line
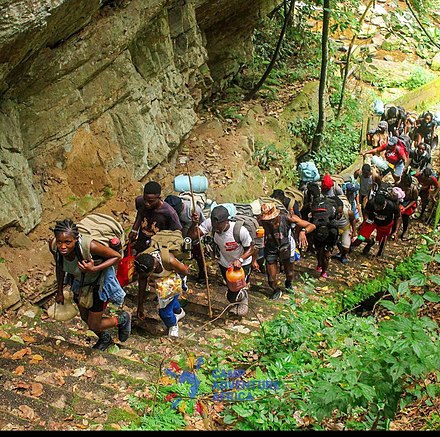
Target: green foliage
303 128
418 78
161 418
339 366
108 192
298 58
232 112
432 423
410 268
267 155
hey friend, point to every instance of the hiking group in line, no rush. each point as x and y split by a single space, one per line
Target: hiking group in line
323 215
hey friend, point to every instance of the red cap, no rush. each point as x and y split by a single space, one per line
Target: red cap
327 182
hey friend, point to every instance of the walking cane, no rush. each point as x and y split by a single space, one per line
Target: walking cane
184 160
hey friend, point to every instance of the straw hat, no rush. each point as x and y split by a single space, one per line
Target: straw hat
63 312
269 211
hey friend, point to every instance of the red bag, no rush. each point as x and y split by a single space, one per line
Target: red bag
125 272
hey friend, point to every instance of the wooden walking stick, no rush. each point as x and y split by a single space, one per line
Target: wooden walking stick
184 160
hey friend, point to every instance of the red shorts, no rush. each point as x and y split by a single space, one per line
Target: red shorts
382 231
408 211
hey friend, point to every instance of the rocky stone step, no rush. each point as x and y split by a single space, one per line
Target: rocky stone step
37 413
12 422
68 356
76 397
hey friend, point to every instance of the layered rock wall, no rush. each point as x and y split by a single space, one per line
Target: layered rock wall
105 90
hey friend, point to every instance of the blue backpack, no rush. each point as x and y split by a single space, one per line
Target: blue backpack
378 107
308 172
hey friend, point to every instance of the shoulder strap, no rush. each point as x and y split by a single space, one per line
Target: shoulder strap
236 231
165 255
84 244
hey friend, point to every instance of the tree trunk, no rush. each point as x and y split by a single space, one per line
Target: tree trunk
323 79
287 14
347 64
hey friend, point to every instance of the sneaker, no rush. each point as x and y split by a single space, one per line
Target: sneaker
277 294
173 331
184 283
344 260
319 269
367 248
324 275
180 316
124 326
243 304
103 342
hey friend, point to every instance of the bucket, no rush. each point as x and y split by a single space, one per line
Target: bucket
199 183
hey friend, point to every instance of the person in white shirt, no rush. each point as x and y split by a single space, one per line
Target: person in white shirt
231 252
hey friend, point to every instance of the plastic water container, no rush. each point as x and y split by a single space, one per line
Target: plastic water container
229 206
199 183
380 163
235 278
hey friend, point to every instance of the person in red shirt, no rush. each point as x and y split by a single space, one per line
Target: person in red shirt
395 156
428 187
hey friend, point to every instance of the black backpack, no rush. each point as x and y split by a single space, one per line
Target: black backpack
323 213
386 189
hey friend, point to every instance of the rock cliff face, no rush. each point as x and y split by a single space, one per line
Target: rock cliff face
102 91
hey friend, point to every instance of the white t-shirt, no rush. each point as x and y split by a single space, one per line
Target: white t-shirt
230 250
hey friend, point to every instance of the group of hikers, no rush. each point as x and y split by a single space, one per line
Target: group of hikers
329 217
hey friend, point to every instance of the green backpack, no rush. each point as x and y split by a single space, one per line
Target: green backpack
167 241
99 227
294 194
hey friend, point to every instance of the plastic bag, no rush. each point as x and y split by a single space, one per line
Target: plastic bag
168 286
125 272
63 312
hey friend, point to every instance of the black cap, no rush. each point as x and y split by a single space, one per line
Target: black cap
366 168
219 214
175 202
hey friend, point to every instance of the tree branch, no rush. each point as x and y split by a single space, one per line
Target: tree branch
287 15
420 24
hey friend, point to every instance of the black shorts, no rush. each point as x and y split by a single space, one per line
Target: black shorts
98 304
329 242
